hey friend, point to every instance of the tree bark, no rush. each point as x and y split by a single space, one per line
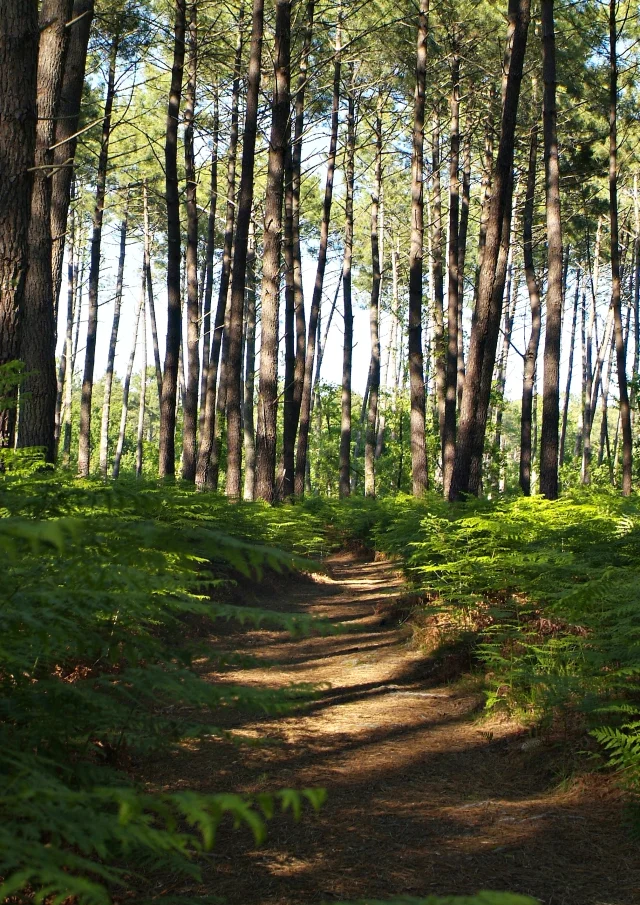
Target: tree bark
305 405
84 451
587 419
250 374
440 351
567 395
127 380
143 393
189 429
66 128
150 300
462 255
551 382
266 434
347 347
208 271
38 335
239 272
167 457
616 289
419 474
484 335
451 370
206 470
111 356
374 317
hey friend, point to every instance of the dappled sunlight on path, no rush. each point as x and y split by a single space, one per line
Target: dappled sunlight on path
423 797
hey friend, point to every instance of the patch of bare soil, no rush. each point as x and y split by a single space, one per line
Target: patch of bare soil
422 797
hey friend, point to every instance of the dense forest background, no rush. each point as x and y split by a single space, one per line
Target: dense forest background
434 252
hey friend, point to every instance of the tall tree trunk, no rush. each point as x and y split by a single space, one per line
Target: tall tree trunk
484 335
567 395
587 418
419 474
189 430
636 298
374 317
347 347
239 272
451 376
150 300
38 340
167 456
510 301
66 129
250 374
616 289
305 405
462 254
604 404
553 331
111 356
65 358
127 380
440 351
206 470
266 434
84 451
208 266
143 393
531 354
18 115
67 388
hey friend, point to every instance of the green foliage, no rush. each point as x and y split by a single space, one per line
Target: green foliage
101 666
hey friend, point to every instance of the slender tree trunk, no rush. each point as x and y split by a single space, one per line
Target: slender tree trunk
266 434
484 334
238 280
111 356
38 340
420 479
589 408
167 456
567 395
451 376
531 354
374 318
208 266
250 374
127 379
616 289
65 358
206 470
143 393
636 299
305 405
67 389
66 128
604 404
347 348
510 301
150 300
189 431
462 254
438 275
84 451
551 384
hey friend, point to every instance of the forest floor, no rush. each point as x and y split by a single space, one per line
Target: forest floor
425 794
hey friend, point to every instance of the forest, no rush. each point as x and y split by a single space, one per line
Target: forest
319 406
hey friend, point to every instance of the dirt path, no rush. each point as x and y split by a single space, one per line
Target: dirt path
423 797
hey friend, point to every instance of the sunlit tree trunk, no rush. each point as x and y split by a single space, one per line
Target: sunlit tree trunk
266 433
440 353
374 318
347 347
484 335
551 384
239 270
38 333
587 418
193 308
250 374
208 267
127 379
616 289
84 451
167 455
111 355
567 395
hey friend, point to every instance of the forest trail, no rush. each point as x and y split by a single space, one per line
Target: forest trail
422 796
